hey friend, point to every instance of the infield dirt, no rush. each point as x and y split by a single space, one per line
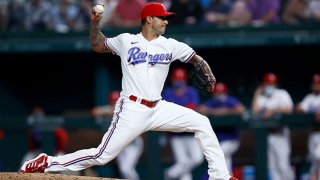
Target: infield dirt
45 176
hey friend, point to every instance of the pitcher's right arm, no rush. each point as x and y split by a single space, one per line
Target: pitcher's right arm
97 39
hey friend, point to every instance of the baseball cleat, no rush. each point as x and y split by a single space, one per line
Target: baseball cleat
36 165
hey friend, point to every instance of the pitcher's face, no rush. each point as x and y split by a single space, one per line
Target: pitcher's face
159 24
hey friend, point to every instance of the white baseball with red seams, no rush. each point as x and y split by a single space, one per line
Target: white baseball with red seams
99 8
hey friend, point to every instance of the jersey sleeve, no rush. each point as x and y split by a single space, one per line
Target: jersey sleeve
115 43
182 51
286 99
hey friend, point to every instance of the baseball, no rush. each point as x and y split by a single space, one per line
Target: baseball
99 8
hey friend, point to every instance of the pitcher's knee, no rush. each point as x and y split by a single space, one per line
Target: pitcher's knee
204 121
105 157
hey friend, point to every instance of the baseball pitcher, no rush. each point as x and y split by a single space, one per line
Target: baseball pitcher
145 61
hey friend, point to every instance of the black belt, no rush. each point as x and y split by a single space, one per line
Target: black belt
147 103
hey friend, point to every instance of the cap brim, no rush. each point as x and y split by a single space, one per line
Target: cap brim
170 15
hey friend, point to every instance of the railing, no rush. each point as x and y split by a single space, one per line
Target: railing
13 144
196 37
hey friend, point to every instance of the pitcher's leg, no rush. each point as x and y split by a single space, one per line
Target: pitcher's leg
208 141
117 137
82 159
172 117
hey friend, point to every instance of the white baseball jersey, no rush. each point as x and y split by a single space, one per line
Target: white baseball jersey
278 144
311 103
279 99
145 64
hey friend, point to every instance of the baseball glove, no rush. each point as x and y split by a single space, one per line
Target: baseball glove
202 77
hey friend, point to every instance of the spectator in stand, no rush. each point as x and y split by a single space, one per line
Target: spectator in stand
313 10
127 13
37 15
269 103
83 20
240 14
67 17
233 14
108 13
222 104
264 12
4 14
188 12
218 11
186 150
16 15
311 105
294 11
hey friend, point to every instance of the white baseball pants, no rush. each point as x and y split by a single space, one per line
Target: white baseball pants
187 154
279 150
229 147
314 150
132 119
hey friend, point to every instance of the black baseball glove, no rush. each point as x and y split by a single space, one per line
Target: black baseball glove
202 77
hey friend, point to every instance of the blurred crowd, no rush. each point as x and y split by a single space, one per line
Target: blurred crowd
74 15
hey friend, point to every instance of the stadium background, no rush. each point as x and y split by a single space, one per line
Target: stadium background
61 73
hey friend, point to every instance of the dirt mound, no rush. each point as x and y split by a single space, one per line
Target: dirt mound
45 176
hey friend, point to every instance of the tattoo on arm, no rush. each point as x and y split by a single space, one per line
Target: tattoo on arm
97 38
197 60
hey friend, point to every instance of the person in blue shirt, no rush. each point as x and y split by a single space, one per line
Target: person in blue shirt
186 150
222 104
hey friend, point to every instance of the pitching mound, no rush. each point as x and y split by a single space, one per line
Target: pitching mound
45 176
